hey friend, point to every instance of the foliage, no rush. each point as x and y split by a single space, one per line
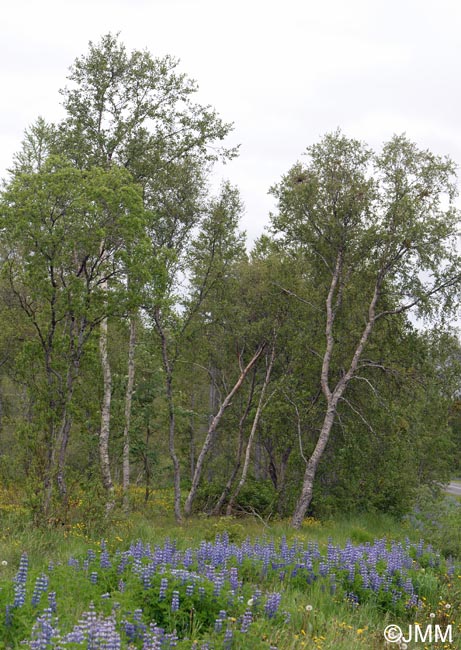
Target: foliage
438 518
255 497
108 217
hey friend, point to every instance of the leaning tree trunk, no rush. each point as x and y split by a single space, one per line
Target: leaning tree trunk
311 468
230 481
254 427
105 417
332 396
212 431
126 430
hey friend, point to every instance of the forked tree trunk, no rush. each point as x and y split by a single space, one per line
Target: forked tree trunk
211 434
126 430
332 397
254 427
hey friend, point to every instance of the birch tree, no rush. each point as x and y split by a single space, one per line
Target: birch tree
208 258
53 221
135 111
382 229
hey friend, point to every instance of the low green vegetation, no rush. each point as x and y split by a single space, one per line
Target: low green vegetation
144 582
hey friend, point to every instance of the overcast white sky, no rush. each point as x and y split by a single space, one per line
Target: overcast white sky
285 72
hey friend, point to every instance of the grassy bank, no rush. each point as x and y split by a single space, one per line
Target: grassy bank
220 583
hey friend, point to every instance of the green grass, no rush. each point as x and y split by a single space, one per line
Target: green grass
332 623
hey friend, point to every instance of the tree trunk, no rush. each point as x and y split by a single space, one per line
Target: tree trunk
66 420
173 455
146 465
126 430
332 397
254 427
64 438
192 437
50 439
217 509
311 469
282 474
168 368
212 431
105 417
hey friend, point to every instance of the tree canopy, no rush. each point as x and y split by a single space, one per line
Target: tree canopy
317 371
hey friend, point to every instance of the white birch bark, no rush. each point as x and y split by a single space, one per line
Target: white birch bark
128 401
212 431
105 414
254 427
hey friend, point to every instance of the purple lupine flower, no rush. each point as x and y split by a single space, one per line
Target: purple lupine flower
234 579
272 604
41 585
20 581
163 588
104 561
130 630
171 639
152 642
414 601
43 632
94 577
146 578
52 601
246 621
228 639
96 630
218 583
188 559
353 599
8 616
175 601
